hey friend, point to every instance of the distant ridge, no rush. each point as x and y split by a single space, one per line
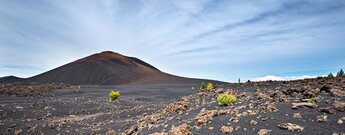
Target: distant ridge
108 68
10 79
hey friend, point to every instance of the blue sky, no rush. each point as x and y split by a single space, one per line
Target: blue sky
216 39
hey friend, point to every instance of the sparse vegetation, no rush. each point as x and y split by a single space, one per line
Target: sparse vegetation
311 100
202 86
192 88
113 95
210 86
226 99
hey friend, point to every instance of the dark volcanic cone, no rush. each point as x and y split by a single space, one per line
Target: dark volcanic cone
107 68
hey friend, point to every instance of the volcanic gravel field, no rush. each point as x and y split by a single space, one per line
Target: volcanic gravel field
271 107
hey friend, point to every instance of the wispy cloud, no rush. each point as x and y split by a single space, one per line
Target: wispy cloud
224 39
196 50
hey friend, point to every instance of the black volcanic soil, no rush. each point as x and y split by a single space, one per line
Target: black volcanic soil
85 110
108 68
176 109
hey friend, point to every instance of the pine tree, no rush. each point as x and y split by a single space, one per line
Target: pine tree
330 75
340 73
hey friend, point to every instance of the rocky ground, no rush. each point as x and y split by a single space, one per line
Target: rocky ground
272 107
31 90
84 110
263 108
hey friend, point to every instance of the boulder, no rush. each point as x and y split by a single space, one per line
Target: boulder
321 118
205 116
183 129
297 115
264 132
226 129
329 110
337 93
291 127
303 104
339 106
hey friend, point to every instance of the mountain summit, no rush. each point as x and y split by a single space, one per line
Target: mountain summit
107 68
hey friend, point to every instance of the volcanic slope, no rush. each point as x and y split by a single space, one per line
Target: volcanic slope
108 68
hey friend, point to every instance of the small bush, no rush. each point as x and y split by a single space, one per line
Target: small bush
311 100
113 95
193 88
202 86
226 99
210 86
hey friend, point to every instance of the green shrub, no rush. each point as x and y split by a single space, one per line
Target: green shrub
226 99
311 100
193 88
210 86
113 95
202 86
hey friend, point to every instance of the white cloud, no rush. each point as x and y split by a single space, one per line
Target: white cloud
280 78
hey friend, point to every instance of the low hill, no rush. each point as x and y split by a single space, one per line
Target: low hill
10 79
